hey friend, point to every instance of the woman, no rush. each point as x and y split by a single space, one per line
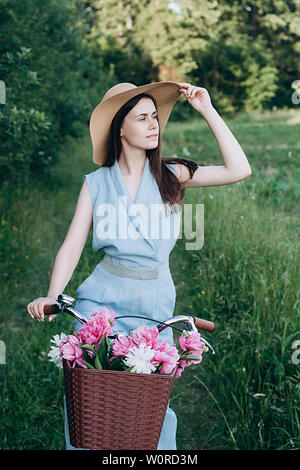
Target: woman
122 201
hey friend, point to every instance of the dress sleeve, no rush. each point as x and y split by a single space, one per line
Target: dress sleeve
190 163
171 167
91 183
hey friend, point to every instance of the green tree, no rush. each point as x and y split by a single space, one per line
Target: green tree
245 53
275 24
46 64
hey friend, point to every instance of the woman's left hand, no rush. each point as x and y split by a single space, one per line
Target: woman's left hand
197 97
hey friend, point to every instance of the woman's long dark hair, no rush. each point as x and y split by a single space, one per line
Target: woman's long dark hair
170 188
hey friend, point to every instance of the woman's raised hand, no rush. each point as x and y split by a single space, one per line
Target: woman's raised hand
197 97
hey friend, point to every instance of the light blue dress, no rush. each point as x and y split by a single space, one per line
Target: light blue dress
151 235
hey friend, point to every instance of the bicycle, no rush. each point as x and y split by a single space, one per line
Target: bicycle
127 420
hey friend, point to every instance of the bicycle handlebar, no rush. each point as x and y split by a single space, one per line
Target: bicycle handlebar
65 304
203 324
54 309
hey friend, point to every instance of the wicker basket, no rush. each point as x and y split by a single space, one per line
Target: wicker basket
114 410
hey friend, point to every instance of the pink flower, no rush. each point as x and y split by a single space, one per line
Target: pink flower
122 346
191 342
92 334
185 363
146 335
182 364
167 356
69 350
179 371
109 315
99 324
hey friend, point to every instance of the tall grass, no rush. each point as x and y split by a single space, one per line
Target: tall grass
245 279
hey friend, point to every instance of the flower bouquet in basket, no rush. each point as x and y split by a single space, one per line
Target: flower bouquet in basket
141 351
117 391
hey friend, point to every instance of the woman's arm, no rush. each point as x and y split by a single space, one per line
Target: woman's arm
69 253
236 166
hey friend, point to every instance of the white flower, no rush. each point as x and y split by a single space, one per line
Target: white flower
139 359
57 339
55 357
54 352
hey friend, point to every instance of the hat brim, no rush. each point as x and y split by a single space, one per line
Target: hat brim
165 94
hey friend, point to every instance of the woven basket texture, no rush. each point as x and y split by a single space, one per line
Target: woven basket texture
115 410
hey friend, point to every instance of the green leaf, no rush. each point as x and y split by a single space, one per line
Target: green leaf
102 353
89 366
117 364
87 357
98 363
87 346
189 357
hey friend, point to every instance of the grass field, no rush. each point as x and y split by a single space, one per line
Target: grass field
245 279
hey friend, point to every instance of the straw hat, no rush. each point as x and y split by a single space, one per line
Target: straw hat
165 94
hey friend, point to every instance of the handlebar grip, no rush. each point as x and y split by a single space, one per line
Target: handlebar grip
204 324
51 309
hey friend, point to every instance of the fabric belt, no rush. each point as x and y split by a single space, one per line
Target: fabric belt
125 271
